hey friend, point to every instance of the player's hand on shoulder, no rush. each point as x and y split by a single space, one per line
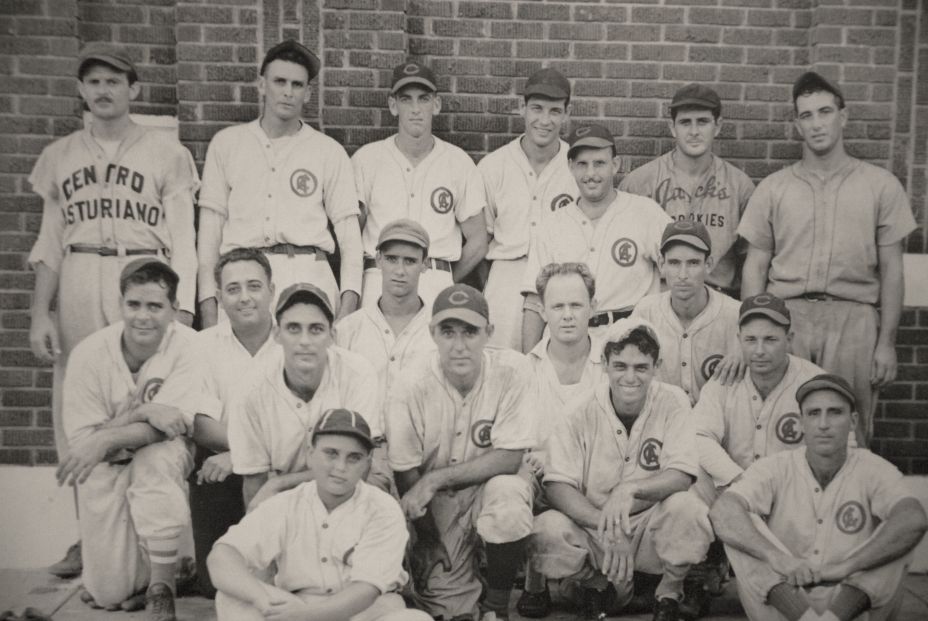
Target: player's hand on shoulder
730 369
43 338
80 459
884 365
797 572
426 557
166 419
215 469
185 317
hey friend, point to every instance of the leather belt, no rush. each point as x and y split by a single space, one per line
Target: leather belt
437 264
818 296
105 251
607 317
292 250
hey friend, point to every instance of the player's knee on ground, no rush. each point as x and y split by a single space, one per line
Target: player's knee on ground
682 529
556 547
505 509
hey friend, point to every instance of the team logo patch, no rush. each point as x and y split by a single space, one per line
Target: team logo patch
709 365
151 389
303 183
442 200
762 300
410 69
851 517
788 429
480 432
624 252
459 298
560 201
649 457
582 131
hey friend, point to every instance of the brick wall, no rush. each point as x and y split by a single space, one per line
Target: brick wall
198 60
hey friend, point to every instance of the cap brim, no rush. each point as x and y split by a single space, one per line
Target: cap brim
413 79
689 240
354 433
311 296
769 313
592 142
695 101
471 318
401 237
112 61
824 384
546 90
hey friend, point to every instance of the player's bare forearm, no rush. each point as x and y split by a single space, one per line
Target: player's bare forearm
732 523
251 483
210 433
209 238
476 243
43 333
425 526
46 286
571 502
131 436
340 606
903 529
183 257
348 303
351 251
657 488
229 573
476 471
755 271
892 291
533 326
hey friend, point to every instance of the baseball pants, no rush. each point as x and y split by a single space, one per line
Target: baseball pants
755 579
124 506
840 337
431 283
387 607
504 296
499 511
667 538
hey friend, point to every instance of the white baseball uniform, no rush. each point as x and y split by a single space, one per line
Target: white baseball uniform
689 355
430 425
319 553
515 195
139 496
286 195
818 525
717 201
440 192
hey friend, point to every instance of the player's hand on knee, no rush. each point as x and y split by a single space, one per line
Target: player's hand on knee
425 557
166 419
730 369
77 464
884 367
615 516
286 607
43 338
618 560
215 469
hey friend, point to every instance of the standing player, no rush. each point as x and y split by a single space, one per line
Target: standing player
697 324
826 235
458 423
110 192
525 180
616 234
349 571
417 175
277 184
268 428
692 183
617 477
822 532
129 401
395 331
233 352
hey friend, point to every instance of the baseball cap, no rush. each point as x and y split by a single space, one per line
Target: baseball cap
461 302
623 327
765 305
137 265
404 230
344 423
548 83
811 82
102 51
595 136
412 73
304 292
292 47
827 381
696 95
687 232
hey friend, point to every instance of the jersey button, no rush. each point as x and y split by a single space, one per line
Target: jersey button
273 170
392 358
299 405
412 195
618 431
534 198
269 196
754 398
683 363
325 560
592 249
820 520
533 223
458 433
815 551
756 457
325 525
328 590
685 335
760 426
816 490
627 459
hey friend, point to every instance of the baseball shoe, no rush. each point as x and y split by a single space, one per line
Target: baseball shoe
33 614
534 605
136 602
594 604
71 565
667 609
8 615
88 599
185 579
159 602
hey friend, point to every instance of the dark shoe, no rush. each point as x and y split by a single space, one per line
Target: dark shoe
135 602
71 565
185 579
33 614
159 602
696 599
594 604
534 605
667 609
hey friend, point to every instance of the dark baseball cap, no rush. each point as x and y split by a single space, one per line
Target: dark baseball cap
697 95
827 381
811 82
412 73
340 421
687 232
291 47
461 302
147 263
594 136
306 293
765 305
404 230
548 83
113 55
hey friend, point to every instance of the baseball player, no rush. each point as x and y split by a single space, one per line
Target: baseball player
337 542
692 183
617 476
615 233
697 324
111 192
458 423
233 352
277 184
526 180
822 532
414 174
826 235
395 331
269 426
129 401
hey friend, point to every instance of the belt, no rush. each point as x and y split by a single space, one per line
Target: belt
818 296
105 251
607 317
437 264
292 250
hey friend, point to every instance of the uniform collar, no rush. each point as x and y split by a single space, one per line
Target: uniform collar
540 351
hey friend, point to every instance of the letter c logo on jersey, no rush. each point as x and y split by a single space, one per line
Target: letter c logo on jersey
709 364
480 432
788 429
851 517
442 200
303 183
624 252
649 457
151 389
560 201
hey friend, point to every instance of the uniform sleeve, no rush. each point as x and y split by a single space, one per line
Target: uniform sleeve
182 387
214 193
564 459
758 484
489 196
180 185
679 451
362 396
360 181
259 537
634 183
894 217
885 486
539 255
516 425
755 225
709 419
378 557
471 204
250 454
659 222
338 190
49 246
84 404
404 430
